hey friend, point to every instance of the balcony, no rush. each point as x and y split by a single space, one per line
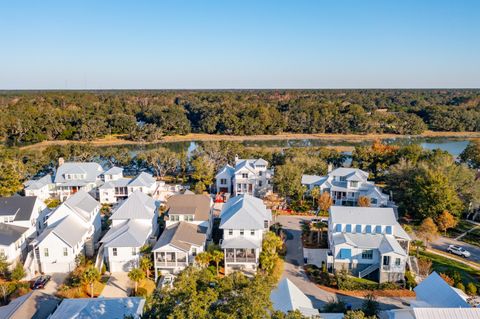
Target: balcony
240 255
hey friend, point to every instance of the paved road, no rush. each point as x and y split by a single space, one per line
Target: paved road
294 272
442 244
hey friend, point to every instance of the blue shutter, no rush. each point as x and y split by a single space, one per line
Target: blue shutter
338 228
358 228
368 229
345 253
378 229
349 228
389 230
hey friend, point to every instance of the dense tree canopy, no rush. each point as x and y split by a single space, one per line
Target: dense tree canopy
30 117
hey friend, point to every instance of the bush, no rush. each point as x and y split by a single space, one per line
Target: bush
460 286
471 289
346 282
337 306
410 280
370 306
142 292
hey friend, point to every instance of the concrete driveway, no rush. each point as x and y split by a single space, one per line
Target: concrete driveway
57 279
118 285
295 273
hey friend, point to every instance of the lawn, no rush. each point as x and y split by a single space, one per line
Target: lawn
442 264
462 227
472 237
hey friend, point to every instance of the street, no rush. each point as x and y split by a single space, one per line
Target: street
295 273
442 244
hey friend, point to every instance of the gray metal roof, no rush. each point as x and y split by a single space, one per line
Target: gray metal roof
121 182
10 233
92 171
20 206
137 206
244 212
35 305
99 308
35 184
82 203
384 243
313 179
143 179
131 234
190 204
363 215
227 169
446 313
241 242
182 235
68 229
437 293
348 172
288 297
114 171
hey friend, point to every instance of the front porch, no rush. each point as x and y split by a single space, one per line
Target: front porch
170 261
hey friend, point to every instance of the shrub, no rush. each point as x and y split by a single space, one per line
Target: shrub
346 282
370 305
460 286
410 280
337 306
142 292
471 289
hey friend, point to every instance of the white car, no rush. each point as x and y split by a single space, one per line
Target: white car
457 250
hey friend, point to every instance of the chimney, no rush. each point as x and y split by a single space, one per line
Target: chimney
330 168
236 158
61 161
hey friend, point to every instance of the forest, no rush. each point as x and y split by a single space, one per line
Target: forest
33 116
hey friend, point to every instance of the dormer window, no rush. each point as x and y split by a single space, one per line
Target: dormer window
378 229
368 229
245 175
358 228
353 183
343 178
348 228
338 228
388 230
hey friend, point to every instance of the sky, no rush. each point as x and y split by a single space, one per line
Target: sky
239 44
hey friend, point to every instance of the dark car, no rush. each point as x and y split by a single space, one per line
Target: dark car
40 282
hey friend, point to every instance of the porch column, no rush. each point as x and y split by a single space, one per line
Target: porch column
176 262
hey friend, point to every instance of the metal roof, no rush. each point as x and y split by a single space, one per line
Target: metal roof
137 206
35 184
241 242
91 169
288 297
437 293
19 206
10 233
82 203
244 212
384 243
114 171
363 215
143 180
68 229
131 234
446 313
99 308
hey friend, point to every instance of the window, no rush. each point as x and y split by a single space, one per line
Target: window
260 173
2 252
397 261
245 175
358 228
378 229
45 252
260 183
373 200
367 254
223 181
189 218
345 253
134 251
368 229
194 251
114 251
265 224
343 178
388 230
252 232
230 232
351 194
241 232
65 251
239 187
348 228
338 227
353 183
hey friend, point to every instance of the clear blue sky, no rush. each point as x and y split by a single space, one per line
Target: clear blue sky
106 44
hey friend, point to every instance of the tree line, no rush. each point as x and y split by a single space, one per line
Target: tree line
31 117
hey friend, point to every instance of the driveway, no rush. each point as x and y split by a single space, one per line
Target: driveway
118 285
52 286
295 273
442 244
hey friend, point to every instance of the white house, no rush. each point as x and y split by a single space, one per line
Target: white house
346 185
177 247
144 182
72 229
244 219
192 208
100 308
248 176
24 211
367 241
43 187
134 222
74 176
13 242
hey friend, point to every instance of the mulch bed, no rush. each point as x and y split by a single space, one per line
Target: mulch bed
376 293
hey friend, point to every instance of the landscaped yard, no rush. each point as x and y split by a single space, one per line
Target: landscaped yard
462 227
444 264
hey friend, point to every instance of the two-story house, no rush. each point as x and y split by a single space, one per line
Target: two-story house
134 224
346 185
43 187
248 176
73 228
74 176
368 242
188 226
244 219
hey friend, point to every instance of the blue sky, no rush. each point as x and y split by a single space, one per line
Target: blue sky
239 44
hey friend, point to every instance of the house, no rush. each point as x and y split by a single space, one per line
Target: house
287 297
74 176
244 219
24 211
100 308
177 247
367 241
73 228
43 187
134 222
192 208
248 176
117 188
346 185
34 305
437 299
13 242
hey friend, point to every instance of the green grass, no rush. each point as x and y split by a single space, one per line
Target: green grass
442 264
463 226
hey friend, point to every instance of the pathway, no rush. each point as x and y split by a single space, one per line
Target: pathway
117 286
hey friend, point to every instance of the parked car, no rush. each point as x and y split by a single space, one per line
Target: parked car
40 282
457 250
320 219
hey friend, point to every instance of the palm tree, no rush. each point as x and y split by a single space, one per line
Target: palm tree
418 244
315 192
320 226
90 276
203 259
146 264
136 275
217 256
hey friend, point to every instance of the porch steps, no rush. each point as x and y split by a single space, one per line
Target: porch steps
412 263
368 270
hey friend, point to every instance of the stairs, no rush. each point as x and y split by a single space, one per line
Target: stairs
99 259
412 263
368 270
